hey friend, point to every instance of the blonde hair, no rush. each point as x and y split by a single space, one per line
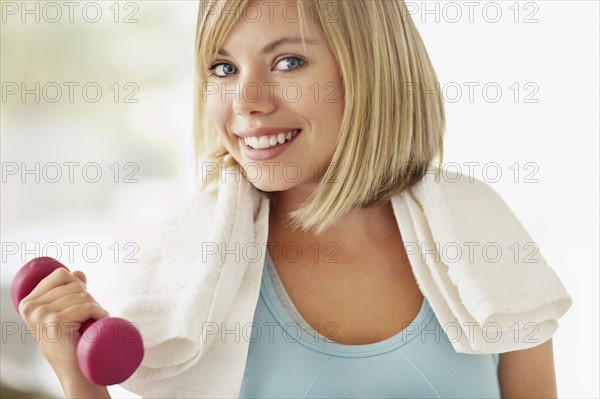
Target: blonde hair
393 122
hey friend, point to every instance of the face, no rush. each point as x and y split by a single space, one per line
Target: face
263 90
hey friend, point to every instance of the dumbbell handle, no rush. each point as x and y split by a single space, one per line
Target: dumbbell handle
109 350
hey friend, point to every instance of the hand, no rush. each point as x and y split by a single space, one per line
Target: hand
54 312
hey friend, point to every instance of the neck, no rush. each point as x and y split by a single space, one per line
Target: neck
354 228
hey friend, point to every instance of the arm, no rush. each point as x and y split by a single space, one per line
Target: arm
528 373
82 388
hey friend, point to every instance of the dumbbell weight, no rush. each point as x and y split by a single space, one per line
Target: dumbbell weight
109 350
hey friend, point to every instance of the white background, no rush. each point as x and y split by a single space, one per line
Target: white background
549 49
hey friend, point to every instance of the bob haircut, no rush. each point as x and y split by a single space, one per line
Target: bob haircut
393 121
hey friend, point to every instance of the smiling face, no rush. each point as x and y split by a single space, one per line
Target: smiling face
272 84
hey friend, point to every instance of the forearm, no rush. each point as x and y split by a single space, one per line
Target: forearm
87 392
79 387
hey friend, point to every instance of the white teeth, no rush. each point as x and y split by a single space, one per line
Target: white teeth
269 141
263 142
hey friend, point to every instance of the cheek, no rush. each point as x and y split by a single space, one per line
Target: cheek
214 110
323 111
217 115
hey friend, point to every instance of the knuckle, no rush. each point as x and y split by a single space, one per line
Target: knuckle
84 296
25 308
92 308
61 272
87 307
38 313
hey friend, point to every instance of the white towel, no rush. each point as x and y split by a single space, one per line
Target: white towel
181 290
489 286
194 308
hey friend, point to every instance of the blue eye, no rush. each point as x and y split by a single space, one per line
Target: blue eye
211 70
294 64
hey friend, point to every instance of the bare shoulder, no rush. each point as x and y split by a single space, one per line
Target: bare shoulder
528 373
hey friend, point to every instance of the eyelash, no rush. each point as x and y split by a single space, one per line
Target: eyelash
212 74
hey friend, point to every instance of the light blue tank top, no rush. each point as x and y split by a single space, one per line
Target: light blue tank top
287 358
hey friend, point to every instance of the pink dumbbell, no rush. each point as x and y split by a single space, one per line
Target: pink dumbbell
109 350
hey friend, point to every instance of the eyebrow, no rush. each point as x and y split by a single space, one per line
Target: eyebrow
269 48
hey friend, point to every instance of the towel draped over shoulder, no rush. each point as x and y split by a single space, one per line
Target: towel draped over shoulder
194 293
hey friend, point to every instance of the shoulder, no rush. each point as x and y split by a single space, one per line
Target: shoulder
461 195
179 228
461 207
190 216
171 242
453 184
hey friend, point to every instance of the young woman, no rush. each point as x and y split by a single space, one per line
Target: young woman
326 107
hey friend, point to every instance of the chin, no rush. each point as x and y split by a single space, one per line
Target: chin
271 186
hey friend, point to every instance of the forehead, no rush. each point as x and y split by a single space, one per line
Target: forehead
262 22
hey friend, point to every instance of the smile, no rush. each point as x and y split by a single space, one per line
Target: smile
268 147
274 140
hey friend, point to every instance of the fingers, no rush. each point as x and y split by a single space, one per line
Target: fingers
74 307
61 296
81 276
82 312
56 293
74 291
58 277
54 312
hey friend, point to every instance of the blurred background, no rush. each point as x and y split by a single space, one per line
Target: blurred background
105 132
96 143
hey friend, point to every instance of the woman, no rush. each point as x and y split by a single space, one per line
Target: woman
328 109
388 145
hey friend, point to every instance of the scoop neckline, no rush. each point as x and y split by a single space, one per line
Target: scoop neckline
314 342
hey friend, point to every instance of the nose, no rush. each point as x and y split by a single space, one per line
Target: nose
254 95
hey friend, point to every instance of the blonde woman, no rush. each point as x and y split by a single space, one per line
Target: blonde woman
326 108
